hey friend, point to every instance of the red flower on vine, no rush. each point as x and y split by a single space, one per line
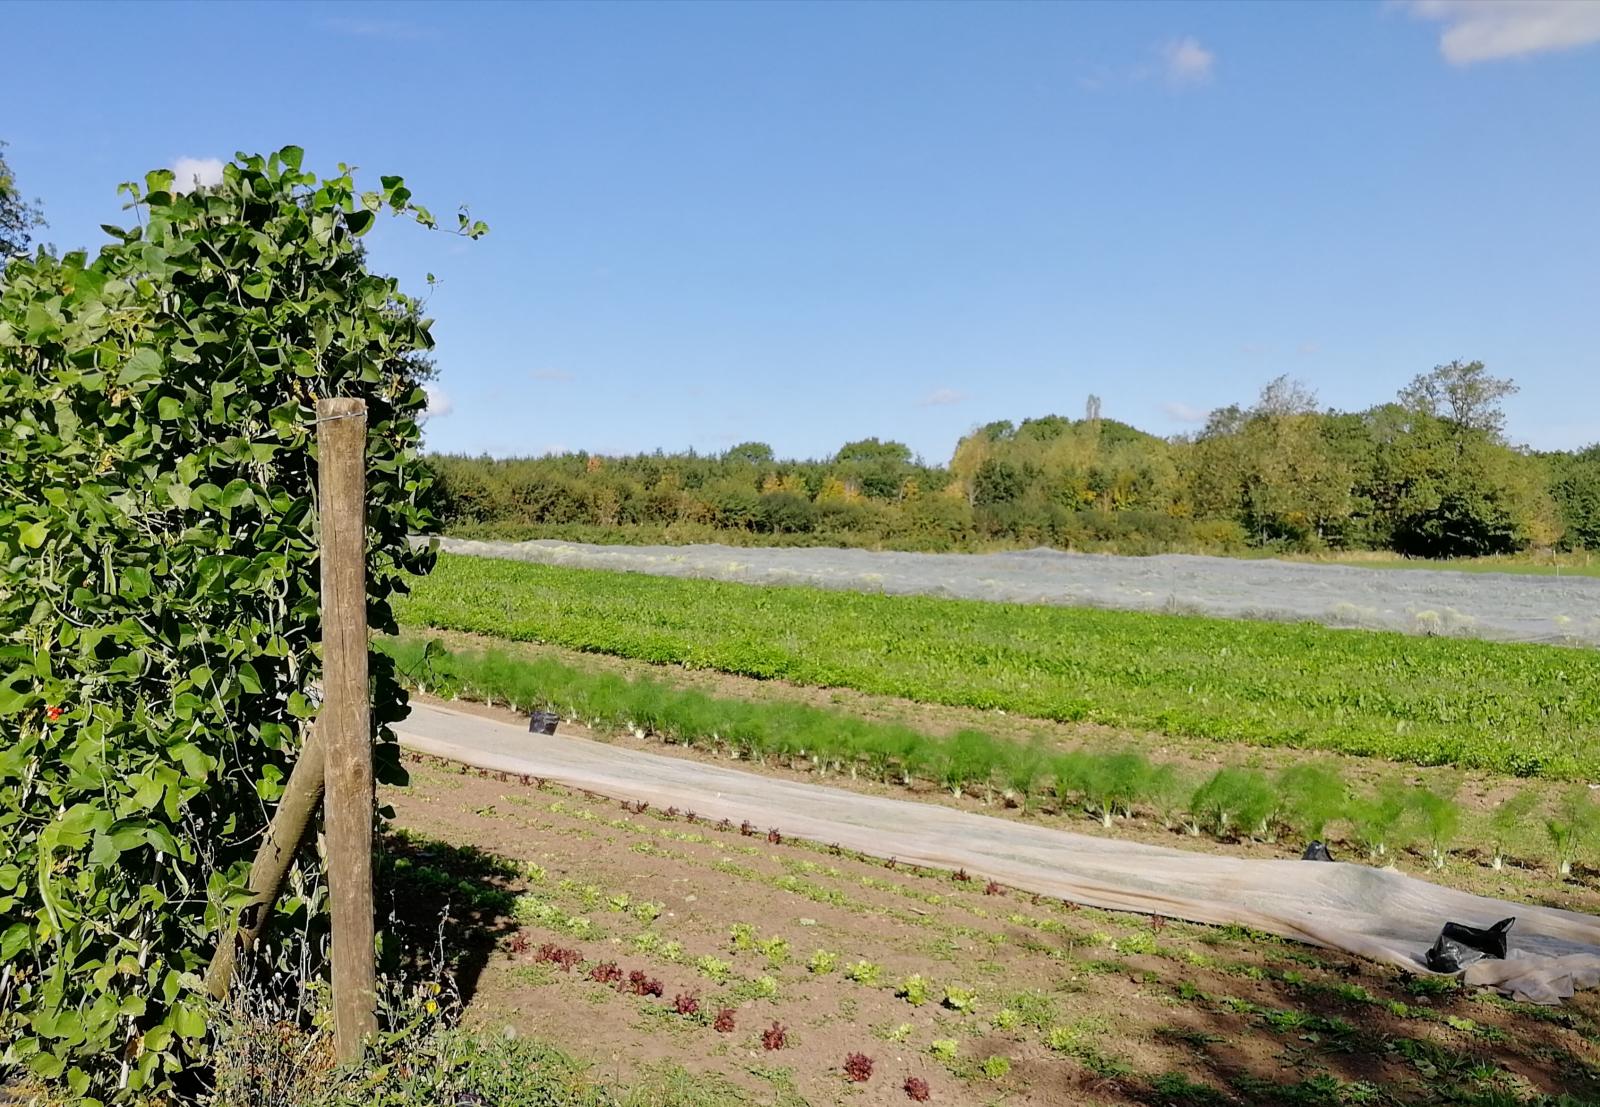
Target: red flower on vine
52 713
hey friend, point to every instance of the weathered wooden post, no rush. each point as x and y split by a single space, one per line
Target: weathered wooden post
344 727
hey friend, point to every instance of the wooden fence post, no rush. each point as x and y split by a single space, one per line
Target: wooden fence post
276 853
344 722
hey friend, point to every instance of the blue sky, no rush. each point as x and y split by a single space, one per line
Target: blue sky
808 223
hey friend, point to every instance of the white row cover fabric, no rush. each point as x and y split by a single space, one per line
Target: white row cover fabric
1562 610
1376 913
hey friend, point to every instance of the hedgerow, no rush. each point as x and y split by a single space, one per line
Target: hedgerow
1527 710
159 587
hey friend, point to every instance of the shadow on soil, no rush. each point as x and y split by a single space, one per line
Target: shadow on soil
447 906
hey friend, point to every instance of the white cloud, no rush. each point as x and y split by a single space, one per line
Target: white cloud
1484 30
943 397
558 376
1187 62
189 172
1184 413
439 404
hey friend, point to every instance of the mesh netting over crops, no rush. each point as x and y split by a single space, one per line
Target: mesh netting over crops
1563 609
1376 913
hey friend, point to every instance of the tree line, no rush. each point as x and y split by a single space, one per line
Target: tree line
1429 474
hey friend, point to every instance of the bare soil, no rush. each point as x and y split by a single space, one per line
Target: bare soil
1083 1006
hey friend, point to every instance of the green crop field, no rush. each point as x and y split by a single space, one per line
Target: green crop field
1530 710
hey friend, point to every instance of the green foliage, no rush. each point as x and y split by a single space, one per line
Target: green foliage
822 962
159 592
914 990
1236 802
1519 709
1430 475
1508 815
1377 819
863 972
945 1049
1312 797
18 217
1573 827
996 1067
964 1000
1438 817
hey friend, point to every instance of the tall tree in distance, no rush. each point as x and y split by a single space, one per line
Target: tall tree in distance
18 217
1463 393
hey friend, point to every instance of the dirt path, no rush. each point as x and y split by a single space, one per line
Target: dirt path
1379 914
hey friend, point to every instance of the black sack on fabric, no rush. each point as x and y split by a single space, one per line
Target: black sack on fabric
1460 945
543 722
1316 851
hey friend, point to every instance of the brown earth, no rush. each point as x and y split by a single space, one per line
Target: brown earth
1106 1009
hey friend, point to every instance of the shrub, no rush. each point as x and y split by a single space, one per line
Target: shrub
159 587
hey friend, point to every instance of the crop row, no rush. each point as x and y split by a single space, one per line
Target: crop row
1301 803
1520 709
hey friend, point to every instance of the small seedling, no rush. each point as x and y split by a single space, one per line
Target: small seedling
774 837
994 888
943 1048
774 1037
642 985
723 1023
606 972
823 962
686 1003
863 972
858 1068
914 990
742 937
964 1000
716 969
917 1089
765 987
648 912
1505 818
900 1033
995 1068
775 951
1006 1019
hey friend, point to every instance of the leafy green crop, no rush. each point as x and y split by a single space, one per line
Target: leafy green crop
1521 709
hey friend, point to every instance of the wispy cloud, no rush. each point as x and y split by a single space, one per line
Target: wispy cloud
190 173
1187 62
439 404
1487 30
943 397
1309 348
555 376
389 30
1184 413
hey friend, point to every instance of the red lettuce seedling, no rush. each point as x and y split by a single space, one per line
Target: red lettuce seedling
917 1089
775 1036
964 876
723 1023
519 942
566 959
747 828
606 973
993 888
641 985
858 1068
686 1003
774 838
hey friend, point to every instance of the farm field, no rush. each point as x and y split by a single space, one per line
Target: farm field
1368 594
1041 773
1522 709
768 964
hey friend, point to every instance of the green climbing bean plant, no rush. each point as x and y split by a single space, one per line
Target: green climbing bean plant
159 584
